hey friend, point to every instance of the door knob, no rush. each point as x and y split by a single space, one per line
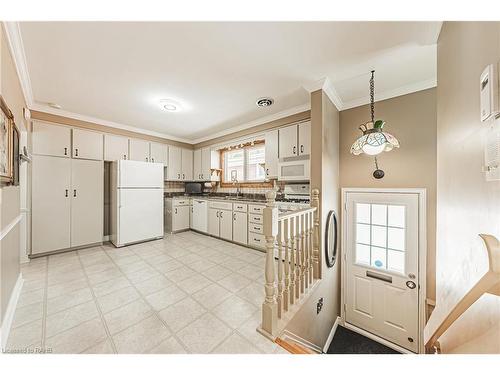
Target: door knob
411 284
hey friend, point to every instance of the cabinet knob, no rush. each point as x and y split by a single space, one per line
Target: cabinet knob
124 157
66 194
176 210
65 151
74 193
294 150
76 152
217 214
178 176
301 149
152 160
221 214
183 176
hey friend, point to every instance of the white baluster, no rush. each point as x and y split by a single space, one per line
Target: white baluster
311 241
306 250
302 253
291 242
280 269
297 257
286 243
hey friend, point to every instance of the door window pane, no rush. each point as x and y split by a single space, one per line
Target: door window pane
396 238
396 261
362 254
379 214
363 233
379 236
396 216
363 213
378 257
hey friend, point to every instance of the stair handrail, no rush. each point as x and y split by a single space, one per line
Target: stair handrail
438 323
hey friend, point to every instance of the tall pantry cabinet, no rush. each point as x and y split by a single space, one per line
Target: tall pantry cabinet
67 188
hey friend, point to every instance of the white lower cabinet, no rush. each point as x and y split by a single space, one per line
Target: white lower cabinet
200 215
87 182
240 227
213 222
226 225
220 220
180 218
67 201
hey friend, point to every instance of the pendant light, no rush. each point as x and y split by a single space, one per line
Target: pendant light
374 140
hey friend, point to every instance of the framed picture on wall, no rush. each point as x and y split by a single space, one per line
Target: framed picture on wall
6 151
15 155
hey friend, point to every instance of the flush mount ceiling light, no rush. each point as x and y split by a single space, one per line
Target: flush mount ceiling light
264 102
170 105
374 140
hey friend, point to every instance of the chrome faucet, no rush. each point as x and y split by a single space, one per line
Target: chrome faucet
234 179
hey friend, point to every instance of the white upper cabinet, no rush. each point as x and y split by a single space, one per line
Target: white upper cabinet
187 165
305 138
288 141
204 160
271 146
174 170
158 153
197 165
139 150
295 140
210 159
87 145
115 147
52 140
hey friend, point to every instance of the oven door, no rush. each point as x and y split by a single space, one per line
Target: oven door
297 170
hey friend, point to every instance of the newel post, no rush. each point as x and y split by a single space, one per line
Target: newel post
270 307
316 235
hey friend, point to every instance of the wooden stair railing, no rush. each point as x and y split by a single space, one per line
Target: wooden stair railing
440 320
293 240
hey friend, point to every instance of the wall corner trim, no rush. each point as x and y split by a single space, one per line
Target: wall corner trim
9 313
15 41
326 85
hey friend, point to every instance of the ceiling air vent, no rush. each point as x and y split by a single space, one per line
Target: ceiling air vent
264 102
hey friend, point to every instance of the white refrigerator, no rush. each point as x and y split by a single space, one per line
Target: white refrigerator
136 202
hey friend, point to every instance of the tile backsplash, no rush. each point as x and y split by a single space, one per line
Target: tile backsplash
178 187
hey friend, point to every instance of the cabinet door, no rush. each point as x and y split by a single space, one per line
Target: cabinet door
87 145
51 204
206 164
174 163
115 147
51 140
305 138
240 227
226 224
271 146
180 218
213 222
187 164
87 192
158 153
139 150
199 211
288 141
197 165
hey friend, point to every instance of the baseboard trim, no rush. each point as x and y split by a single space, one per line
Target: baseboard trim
332 333
378 339
299 340
11 309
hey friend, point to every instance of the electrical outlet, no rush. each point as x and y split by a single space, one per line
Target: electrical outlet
319 305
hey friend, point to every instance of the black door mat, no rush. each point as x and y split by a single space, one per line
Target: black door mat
346 341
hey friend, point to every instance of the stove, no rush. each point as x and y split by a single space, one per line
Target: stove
296 197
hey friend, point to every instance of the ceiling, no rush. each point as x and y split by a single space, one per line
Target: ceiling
118 71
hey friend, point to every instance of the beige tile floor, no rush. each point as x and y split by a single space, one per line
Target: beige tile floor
186 293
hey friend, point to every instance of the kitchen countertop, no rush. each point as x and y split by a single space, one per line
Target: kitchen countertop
250 198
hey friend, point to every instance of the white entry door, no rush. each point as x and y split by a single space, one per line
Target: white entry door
381 272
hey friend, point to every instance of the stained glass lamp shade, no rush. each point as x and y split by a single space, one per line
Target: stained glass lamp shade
374 140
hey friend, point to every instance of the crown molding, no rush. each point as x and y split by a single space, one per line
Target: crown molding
399 91
15 41
76 116
326 85
259 121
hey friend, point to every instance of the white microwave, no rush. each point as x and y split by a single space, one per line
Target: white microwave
296 170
